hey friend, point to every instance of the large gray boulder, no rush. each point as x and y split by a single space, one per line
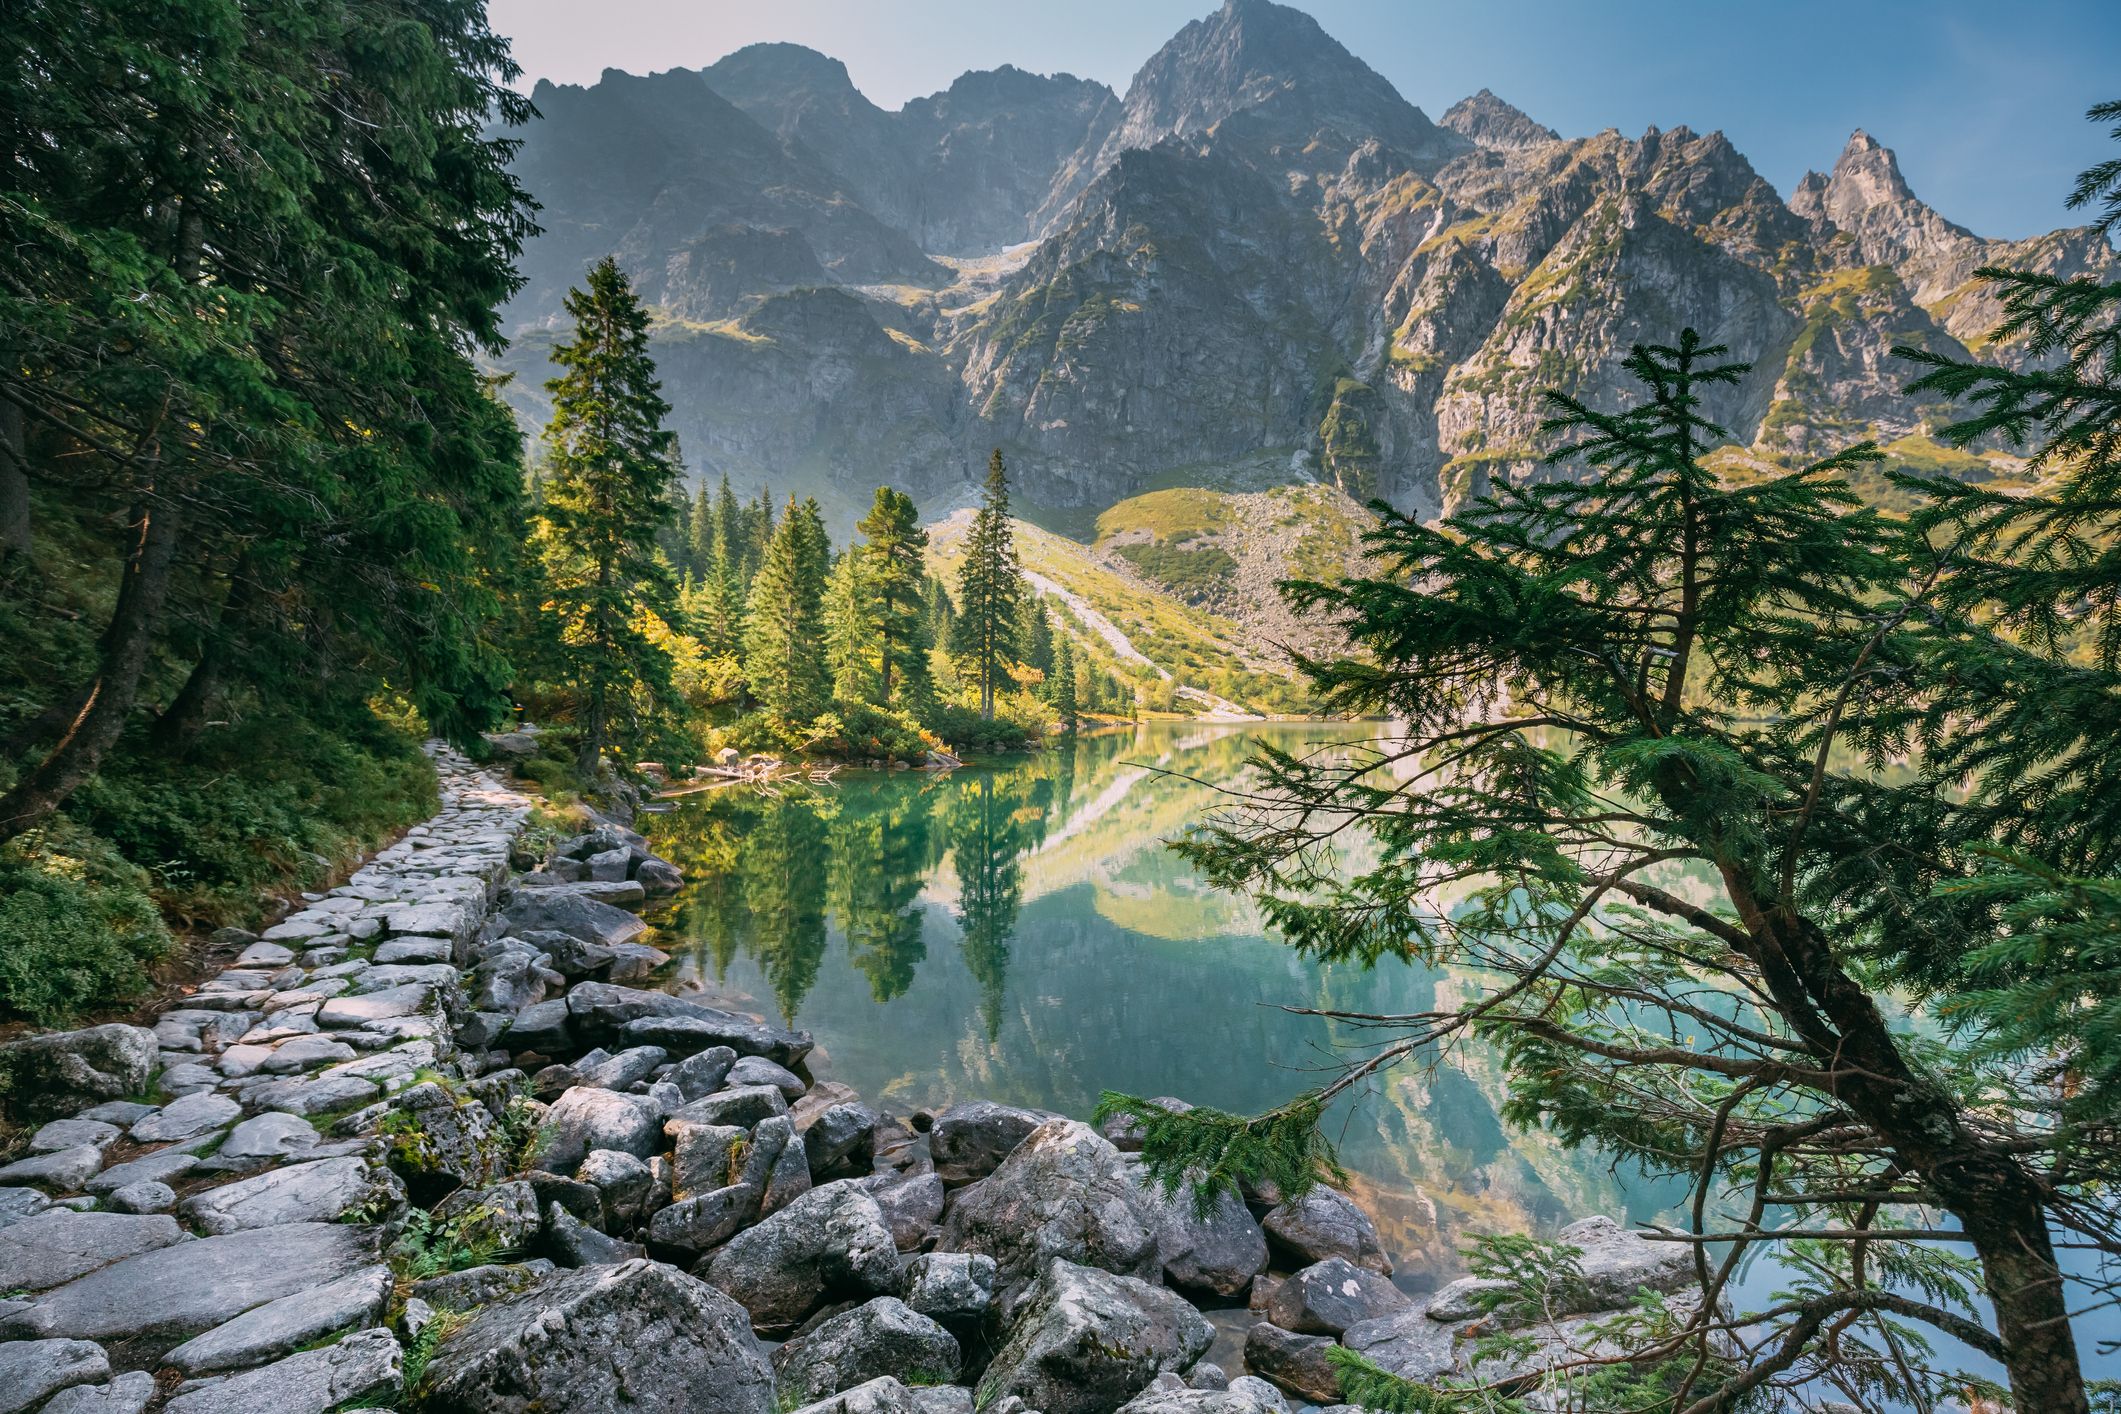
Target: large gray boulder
603 1012
1327 1297
585 1118
365 1367
742 1106
950 1286
1324 1224
830 1243
63 1072
480 1286
187 1118
879 1337
1065 1192
1219 1253
704 1220
703 1072
444 1139
573 914
1614 1264
158 1298
969 1141
700 1028
640 1336
1087 1341
1407 1343
838 1138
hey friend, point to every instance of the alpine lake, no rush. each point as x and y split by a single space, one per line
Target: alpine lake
1021 932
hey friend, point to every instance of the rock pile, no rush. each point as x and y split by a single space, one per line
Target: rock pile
421 1146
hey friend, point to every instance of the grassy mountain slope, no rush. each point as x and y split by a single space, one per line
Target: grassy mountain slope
1133 626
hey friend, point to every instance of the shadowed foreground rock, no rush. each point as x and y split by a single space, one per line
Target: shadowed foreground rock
1087 1341
638 1336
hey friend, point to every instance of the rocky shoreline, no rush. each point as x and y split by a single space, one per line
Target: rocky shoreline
422 1146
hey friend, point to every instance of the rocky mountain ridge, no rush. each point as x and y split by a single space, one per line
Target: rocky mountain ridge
1258 266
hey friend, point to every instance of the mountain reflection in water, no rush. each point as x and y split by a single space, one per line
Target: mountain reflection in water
1022 934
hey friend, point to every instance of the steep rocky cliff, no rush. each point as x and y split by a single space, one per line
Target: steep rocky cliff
1259 266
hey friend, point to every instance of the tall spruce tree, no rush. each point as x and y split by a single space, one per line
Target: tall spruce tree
989 586
894 569
611 465
784 638
1064 703
1644 785
1035 637
851 632
722 595
699 535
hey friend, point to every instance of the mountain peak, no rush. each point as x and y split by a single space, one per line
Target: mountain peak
1492 122
1252 51
780 63
1867 175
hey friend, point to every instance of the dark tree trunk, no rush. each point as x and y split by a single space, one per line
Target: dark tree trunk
108 703
2000 1204
14 485
181 721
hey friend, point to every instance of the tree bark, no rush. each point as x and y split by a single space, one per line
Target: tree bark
181 721
2000 1203
108 704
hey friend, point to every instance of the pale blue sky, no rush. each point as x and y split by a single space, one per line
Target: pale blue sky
1983 102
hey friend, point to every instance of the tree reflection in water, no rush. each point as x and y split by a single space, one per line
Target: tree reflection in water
1021 934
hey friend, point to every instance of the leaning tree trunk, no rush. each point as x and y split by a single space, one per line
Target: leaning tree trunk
108 703
1999 1202
182 720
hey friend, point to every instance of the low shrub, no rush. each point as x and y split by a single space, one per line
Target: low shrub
79 926
281 801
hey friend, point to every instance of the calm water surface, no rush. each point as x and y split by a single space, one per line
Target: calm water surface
1022 934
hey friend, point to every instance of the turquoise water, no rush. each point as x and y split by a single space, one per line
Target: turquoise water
1022 934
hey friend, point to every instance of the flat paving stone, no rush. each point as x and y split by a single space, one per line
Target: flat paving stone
281 1327
129 1393
162 1166
314 1095
345 1013
187 1118
176 1292
305 1053
413 950
72 1134
64 1171
124 1113
367 1365
275 1135
32 1369
323 1190
59 1244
